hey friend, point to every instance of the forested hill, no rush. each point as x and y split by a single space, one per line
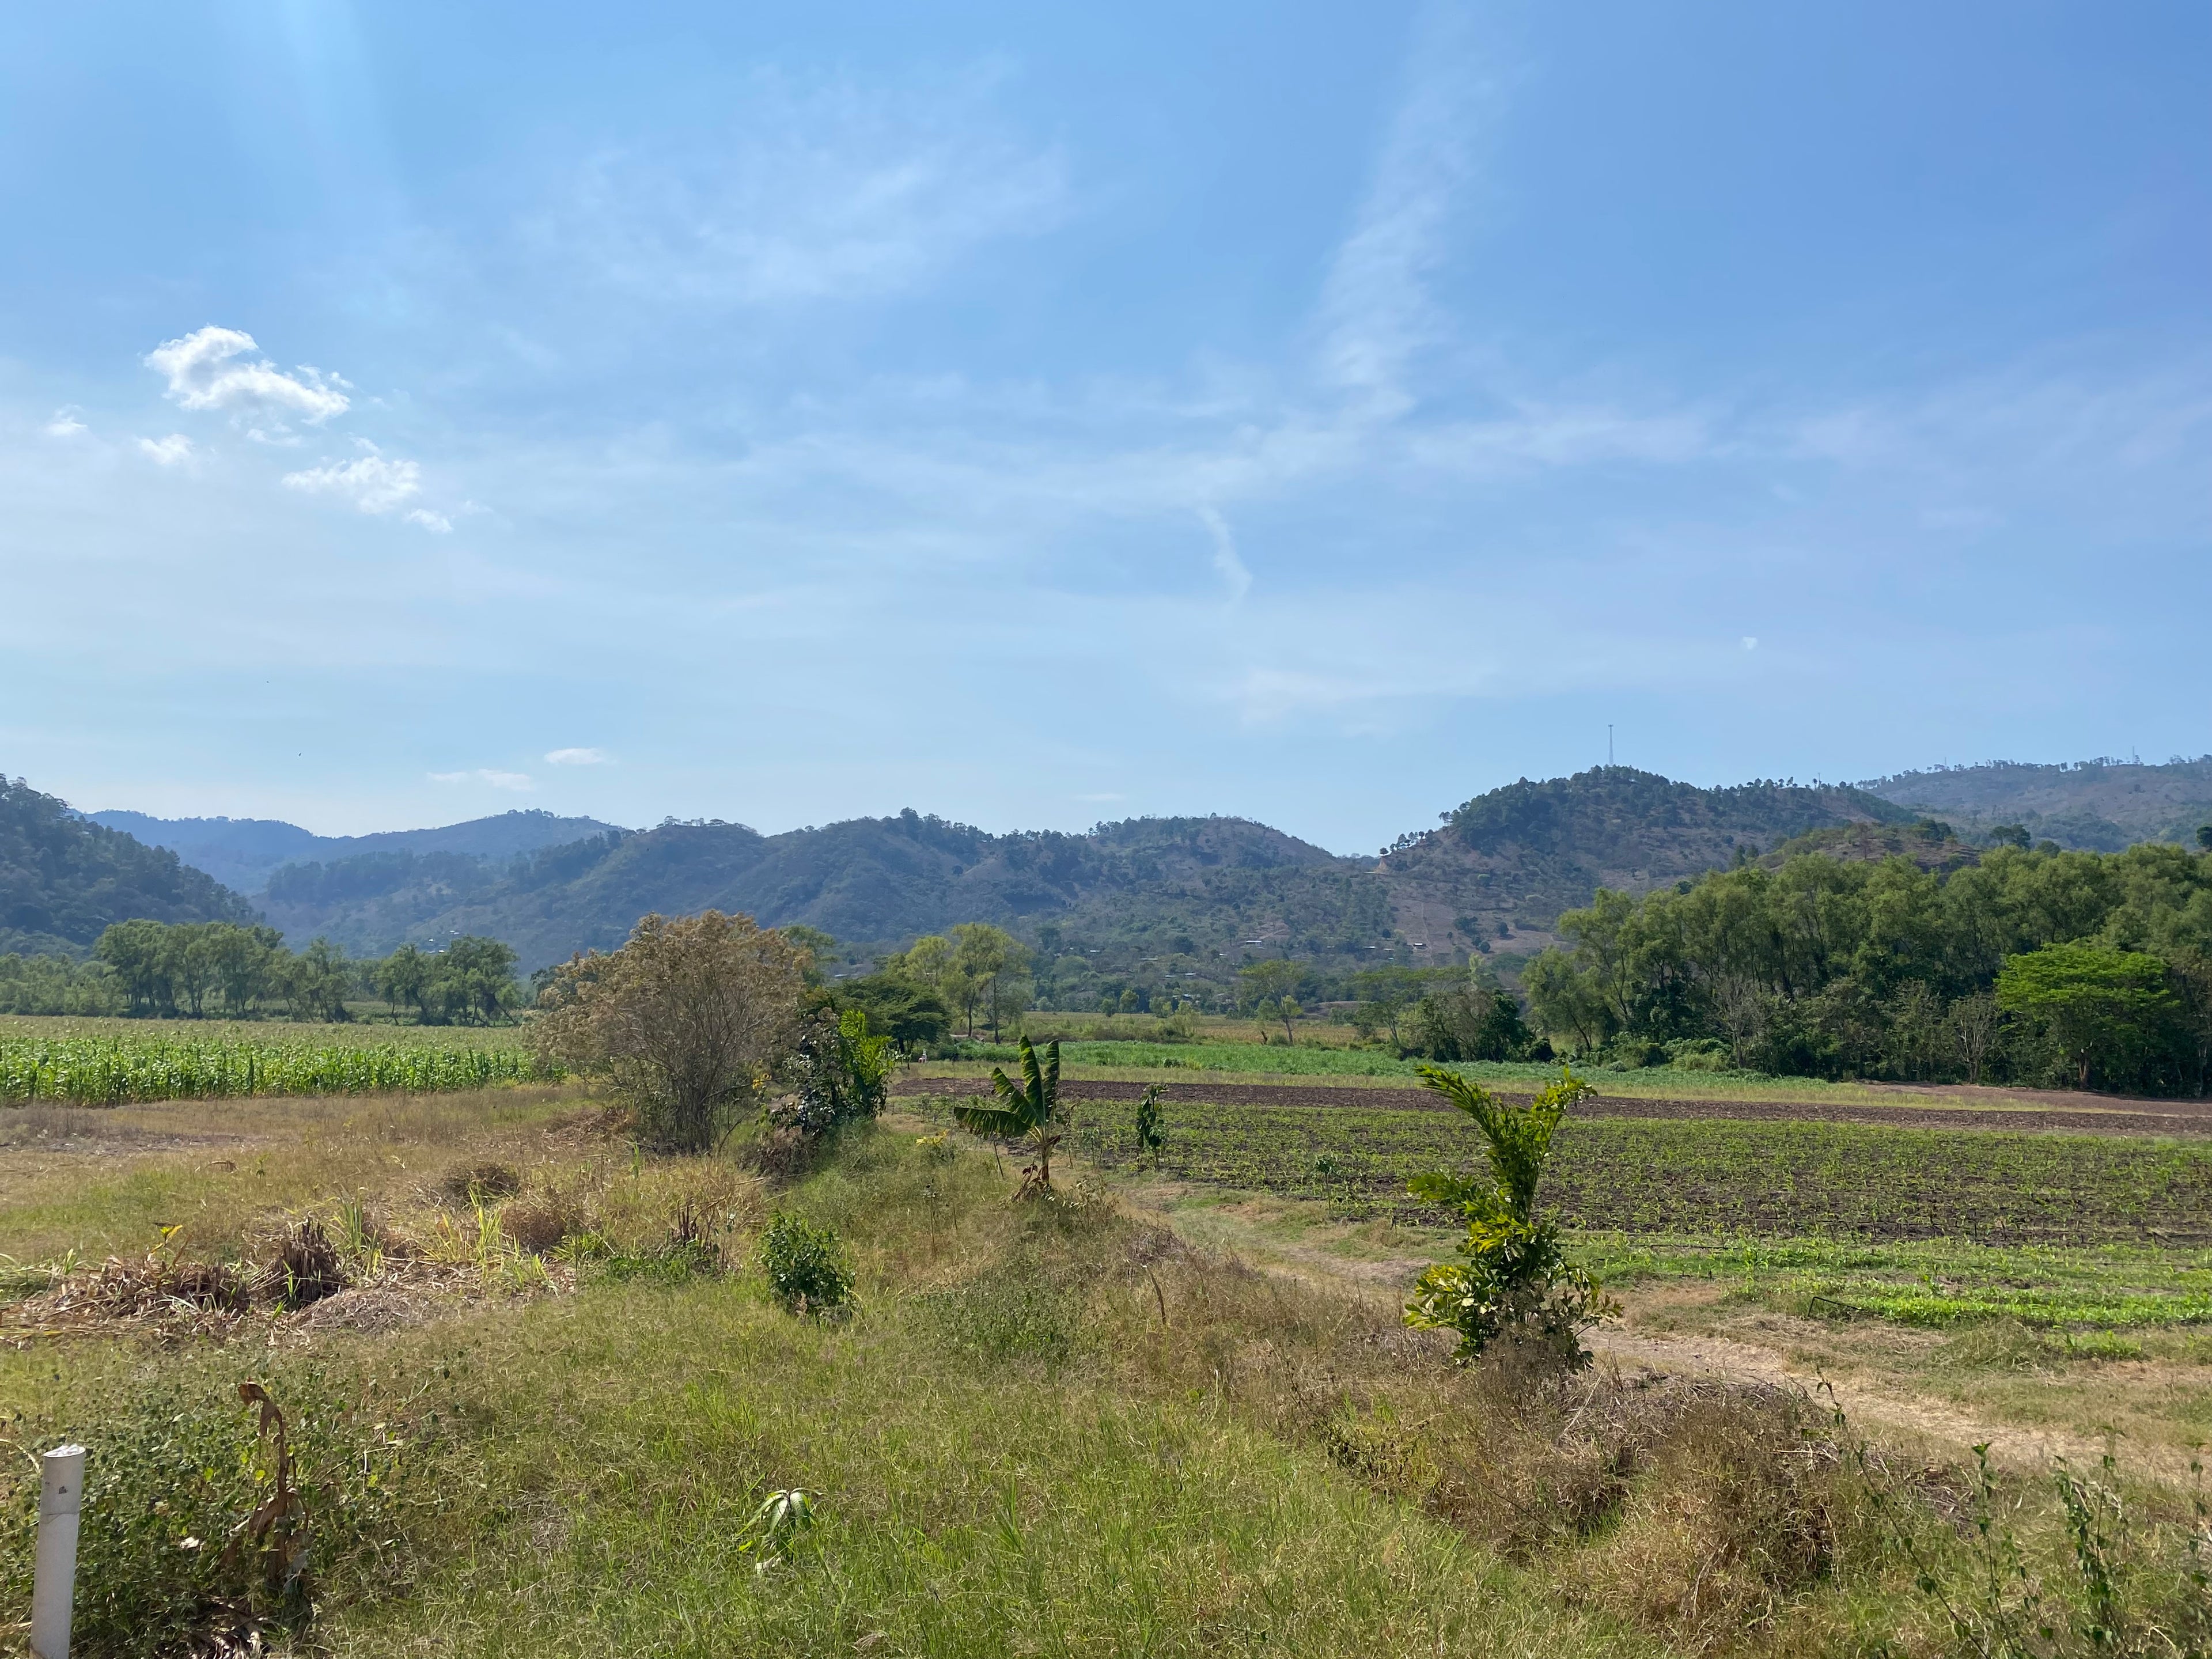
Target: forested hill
1505 864
243 853
2100 805
1150 889
63 880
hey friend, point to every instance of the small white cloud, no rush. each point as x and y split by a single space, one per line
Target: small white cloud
373 483
1226 560
172 450
436 523
203 374
1751 642
485 775
579 757
65 423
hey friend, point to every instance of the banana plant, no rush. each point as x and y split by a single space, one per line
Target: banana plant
1023 1112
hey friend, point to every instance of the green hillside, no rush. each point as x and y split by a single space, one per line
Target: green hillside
62 879
2100 805
1504 865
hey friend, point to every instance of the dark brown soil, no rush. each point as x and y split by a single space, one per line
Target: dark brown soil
2117 1116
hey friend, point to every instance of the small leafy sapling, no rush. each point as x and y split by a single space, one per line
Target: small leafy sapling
1515 1283
1152 1126
805 1264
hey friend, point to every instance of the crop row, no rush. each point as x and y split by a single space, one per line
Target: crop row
110 1072
1759 1179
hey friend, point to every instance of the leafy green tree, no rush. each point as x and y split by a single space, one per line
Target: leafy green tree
473 979
910 1013
139 954
1385 995
820 948
690 1020
1266 989
1566 1005
1514 1282
403 979
840 1073
2204 836
1470 1022
988 970
244 959
2101 1007
1026 1113
315 983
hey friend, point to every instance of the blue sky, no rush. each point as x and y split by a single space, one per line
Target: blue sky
1043 415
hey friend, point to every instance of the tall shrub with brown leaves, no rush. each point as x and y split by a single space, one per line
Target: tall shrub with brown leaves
689 1020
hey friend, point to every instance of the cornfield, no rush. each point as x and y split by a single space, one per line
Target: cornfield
111 1072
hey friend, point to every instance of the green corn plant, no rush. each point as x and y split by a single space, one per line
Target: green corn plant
1024 1113
1514 1282
1152 1131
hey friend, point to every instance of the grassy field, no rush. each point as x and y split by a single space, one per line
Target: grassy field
544 1418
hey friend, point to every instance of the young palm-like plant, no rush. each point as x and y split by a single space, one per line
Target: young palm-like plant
1516 1281
1023 1113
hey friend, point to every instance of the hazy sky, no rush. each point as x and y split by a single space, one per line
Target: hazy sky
1037 415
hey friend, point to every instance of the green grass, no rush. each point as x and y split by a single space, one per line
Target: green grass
1045 1429
1929 1282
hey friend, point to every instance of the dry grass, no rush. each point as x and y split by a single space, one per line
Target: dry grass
1046 1427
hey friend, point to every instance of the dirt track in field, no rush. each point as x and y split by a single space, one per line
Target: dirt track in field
2109 1117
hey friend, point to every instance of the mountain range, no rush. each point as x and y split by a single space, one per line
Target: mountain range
242 854
2099 804
1490 878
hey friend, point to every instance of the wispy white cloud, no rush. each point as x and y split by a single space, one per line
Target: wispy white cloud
63 423
372 483
1226 560
173 451
1378 309
579 757
517 781
828 191
208 369
436 523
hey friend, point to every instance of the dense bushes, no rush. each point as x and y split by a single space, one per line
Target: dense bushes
2042 967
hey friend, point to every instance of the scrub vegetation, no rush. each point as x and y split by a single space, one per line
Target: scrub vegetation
559 1393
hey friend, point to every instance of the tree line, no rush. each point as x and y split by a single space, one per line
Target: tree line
192 970
2034 965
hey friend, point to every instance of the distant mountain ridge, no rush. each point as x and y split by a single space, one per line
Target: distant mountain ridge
244 852
1157 897
2102 805
1502 868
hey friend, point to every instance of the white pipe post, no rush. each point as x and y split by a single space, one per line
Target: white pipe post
61 1495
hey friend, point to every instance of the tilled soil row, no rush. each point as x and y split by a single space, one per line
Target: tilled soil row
2119 1120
